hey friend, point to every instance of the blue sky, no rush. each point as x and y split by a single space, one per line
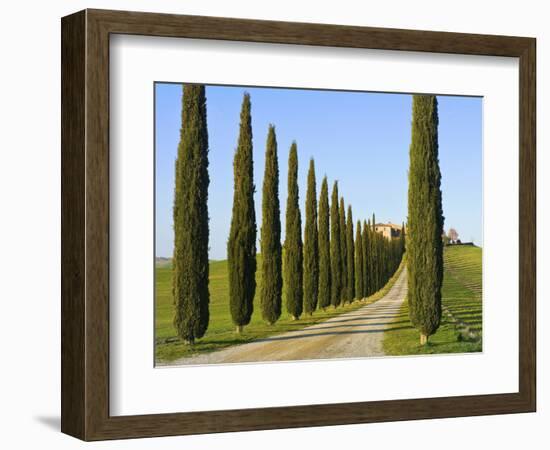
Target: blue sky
360 139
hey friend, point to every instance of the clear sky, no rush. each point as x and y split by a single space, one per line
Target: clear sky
360 139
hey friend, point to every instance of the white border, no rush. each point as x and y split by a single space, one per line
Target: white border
136 387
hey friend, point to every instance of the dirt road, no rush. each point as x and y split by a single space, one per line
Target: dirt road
355 334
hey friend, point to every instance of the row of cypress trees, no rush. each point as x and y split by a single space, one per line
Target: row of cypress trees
329 267
326 268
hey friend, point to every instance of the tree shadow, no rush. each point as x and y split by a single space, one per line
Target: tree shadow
355 325
225 342
329 333
362 317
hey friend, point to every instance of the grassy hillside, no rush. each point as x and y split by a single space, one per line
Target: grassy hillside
461 326
220 331
462 290
463 262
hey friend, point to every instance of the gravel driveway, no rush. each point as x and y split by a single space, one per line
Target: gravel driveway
355 334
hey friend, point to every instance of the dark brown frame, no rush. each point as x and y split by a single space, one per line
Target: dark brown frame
85 224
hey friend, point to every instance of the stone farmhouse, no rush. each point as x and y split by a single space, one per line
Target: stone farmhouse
388 230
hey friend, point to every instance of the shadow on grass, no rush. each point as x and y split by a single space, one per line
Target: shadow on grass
363 317
200 346
222 342
330 333
354 325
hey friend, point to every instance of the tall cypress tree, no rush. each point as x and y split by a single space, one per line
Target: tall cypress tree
382 257
343 251
324 247
241 246
335 250
402 238
377 256
358 262
191 218
373 257
174 277
293 266
425 219
311 244
367 265
382 260
272 281
350 247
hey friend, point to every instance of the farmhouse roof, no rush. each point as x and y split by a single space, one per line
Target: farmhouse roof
389 225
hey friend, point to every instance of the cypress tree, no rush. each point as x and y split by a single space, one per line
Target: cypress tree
191 218
174 277
272 281
387 246
343 252
374 260
425 219
311 244
380 260
335 250
350 247
293 265
241 246
367 276
358 262
324 247
403 238
373 257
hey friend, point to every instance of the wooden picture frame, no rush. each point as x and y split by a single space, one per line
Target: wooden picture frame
85 224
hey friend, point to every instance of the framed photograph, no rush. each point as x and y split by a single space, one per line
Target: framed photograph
273 225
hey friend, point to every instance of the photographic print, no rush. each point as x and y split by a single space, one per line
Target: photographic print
301 224
327 205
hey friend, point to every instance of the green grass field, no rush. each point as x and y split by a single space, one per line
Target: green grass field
221 331
461 325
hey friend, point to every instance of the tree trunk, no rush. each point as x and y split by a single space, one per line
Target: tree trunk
423 339
239 329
